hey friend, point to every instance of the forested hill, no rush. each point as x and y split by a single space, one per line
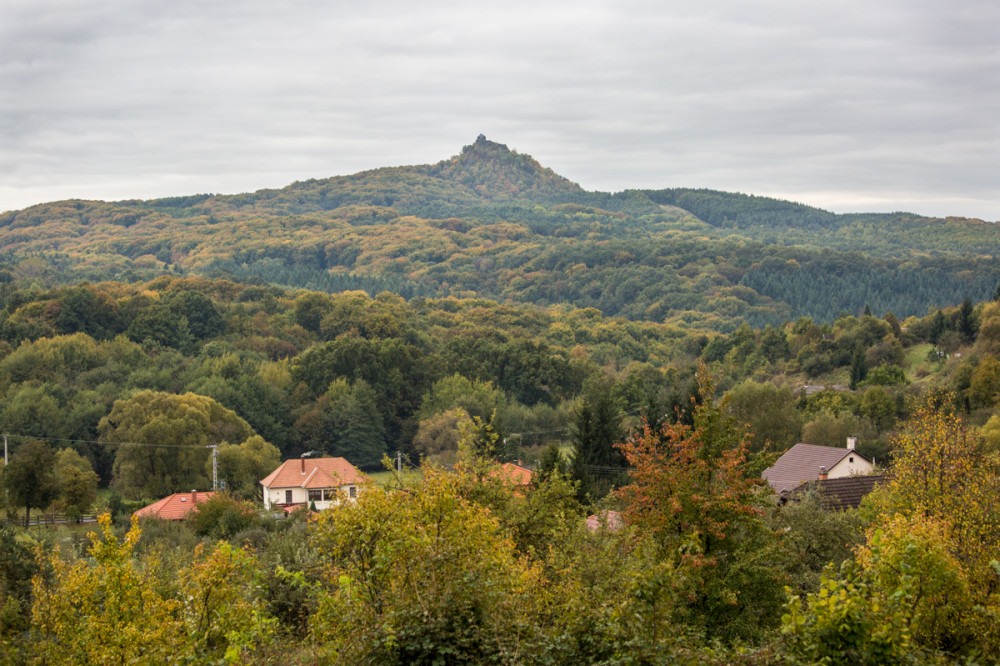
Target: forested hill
492 222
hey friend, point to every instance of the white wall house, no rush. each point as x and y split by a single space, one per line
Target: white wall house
809 462
311 481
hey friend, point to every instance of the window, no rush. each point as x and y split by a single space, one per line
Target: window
852 459
315 495
353 492
288 497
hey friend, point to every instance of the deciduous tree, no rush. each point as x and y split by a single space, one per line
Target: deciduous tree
160 441
693 492
30 477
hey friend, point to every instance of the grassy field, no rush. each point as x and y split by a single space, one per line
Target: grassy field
385 477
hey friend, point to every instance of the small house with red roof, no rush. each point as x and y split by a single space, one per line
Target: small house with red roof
174 507
515 475
311 481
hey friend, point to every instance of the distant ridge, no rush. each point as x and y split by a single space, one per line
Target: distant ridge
495 223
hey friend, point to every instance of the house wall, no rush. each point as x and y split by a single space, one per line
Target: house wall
848 468
276 496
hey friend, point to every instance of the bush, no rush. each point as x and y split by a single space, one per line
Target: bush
222 517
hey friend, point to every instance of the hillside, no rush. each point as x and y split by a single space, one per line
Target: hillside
495 223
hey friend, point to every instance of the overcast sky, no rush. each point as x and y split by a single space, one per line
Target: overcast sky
850 105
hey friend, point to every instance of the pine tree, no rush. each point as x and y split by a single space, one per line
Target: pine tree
597 462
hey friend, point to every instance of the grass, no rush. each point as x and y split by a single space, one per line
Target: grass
386 477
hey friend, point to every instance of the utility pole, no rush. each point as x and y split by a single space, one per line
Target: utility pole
5 450
215 466
399 462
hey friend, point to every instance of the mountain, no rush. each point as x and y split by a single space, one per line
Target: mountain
492 222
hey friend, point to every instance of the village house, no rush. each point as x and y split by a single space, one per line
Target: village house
809 462
846 492
515 475
174 507
308 482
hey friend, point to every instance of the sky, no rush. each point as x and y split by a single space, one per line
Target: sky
848 105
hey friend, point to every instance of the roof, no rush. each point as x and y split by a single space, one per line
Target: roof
173 507
838 494
515 474
802 462
608 520
313 473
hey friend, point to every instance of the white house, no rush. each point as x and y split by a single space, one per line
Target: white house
809 462
311 481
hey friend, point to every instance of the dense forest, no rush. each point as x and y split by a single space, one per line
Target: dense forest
114 391
493 223
648 354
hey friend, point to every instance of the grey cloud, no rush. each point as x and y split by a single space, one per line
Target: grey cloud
849 100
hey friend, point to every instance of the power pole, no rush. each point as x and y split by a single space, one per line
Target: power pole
215 466
399 462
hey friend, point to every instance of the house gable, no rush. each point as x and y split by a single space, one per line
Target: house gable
806 462
311 481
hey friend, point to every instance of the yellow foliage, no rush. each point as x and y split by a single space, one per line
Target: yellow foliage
105 612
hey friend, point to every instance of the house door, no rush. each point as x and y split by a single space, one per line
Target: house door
288 497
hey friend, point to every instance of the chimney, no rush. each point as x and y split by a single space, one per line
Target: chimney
852 442
822 473
303 461
194 496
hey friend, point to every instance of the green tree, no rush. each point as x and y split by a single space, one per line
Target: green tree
859 367
198 311
161 441
597 465
439 434
984 385
420 577
879 407
827 429
965 324
222 517
77 483
477 398
345 421
30 477
243 466
89 311
17 568
157 324
769 412
552 462
479 439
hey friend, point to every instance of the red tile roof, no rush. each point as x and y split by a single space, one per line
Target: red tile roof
515 474
802 462
173 507
313 473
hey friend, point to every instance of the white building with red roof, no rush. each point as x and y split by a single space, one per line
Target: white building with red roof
311 481
173 507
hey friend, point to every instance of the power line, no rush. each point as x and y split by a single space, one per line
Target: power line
91 441
569 427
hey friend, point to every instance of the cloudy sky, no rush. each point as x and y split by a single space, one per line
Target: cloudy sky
850 105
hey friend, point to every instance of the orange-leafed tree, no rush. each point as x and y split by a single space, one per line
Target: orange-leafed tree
693 491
